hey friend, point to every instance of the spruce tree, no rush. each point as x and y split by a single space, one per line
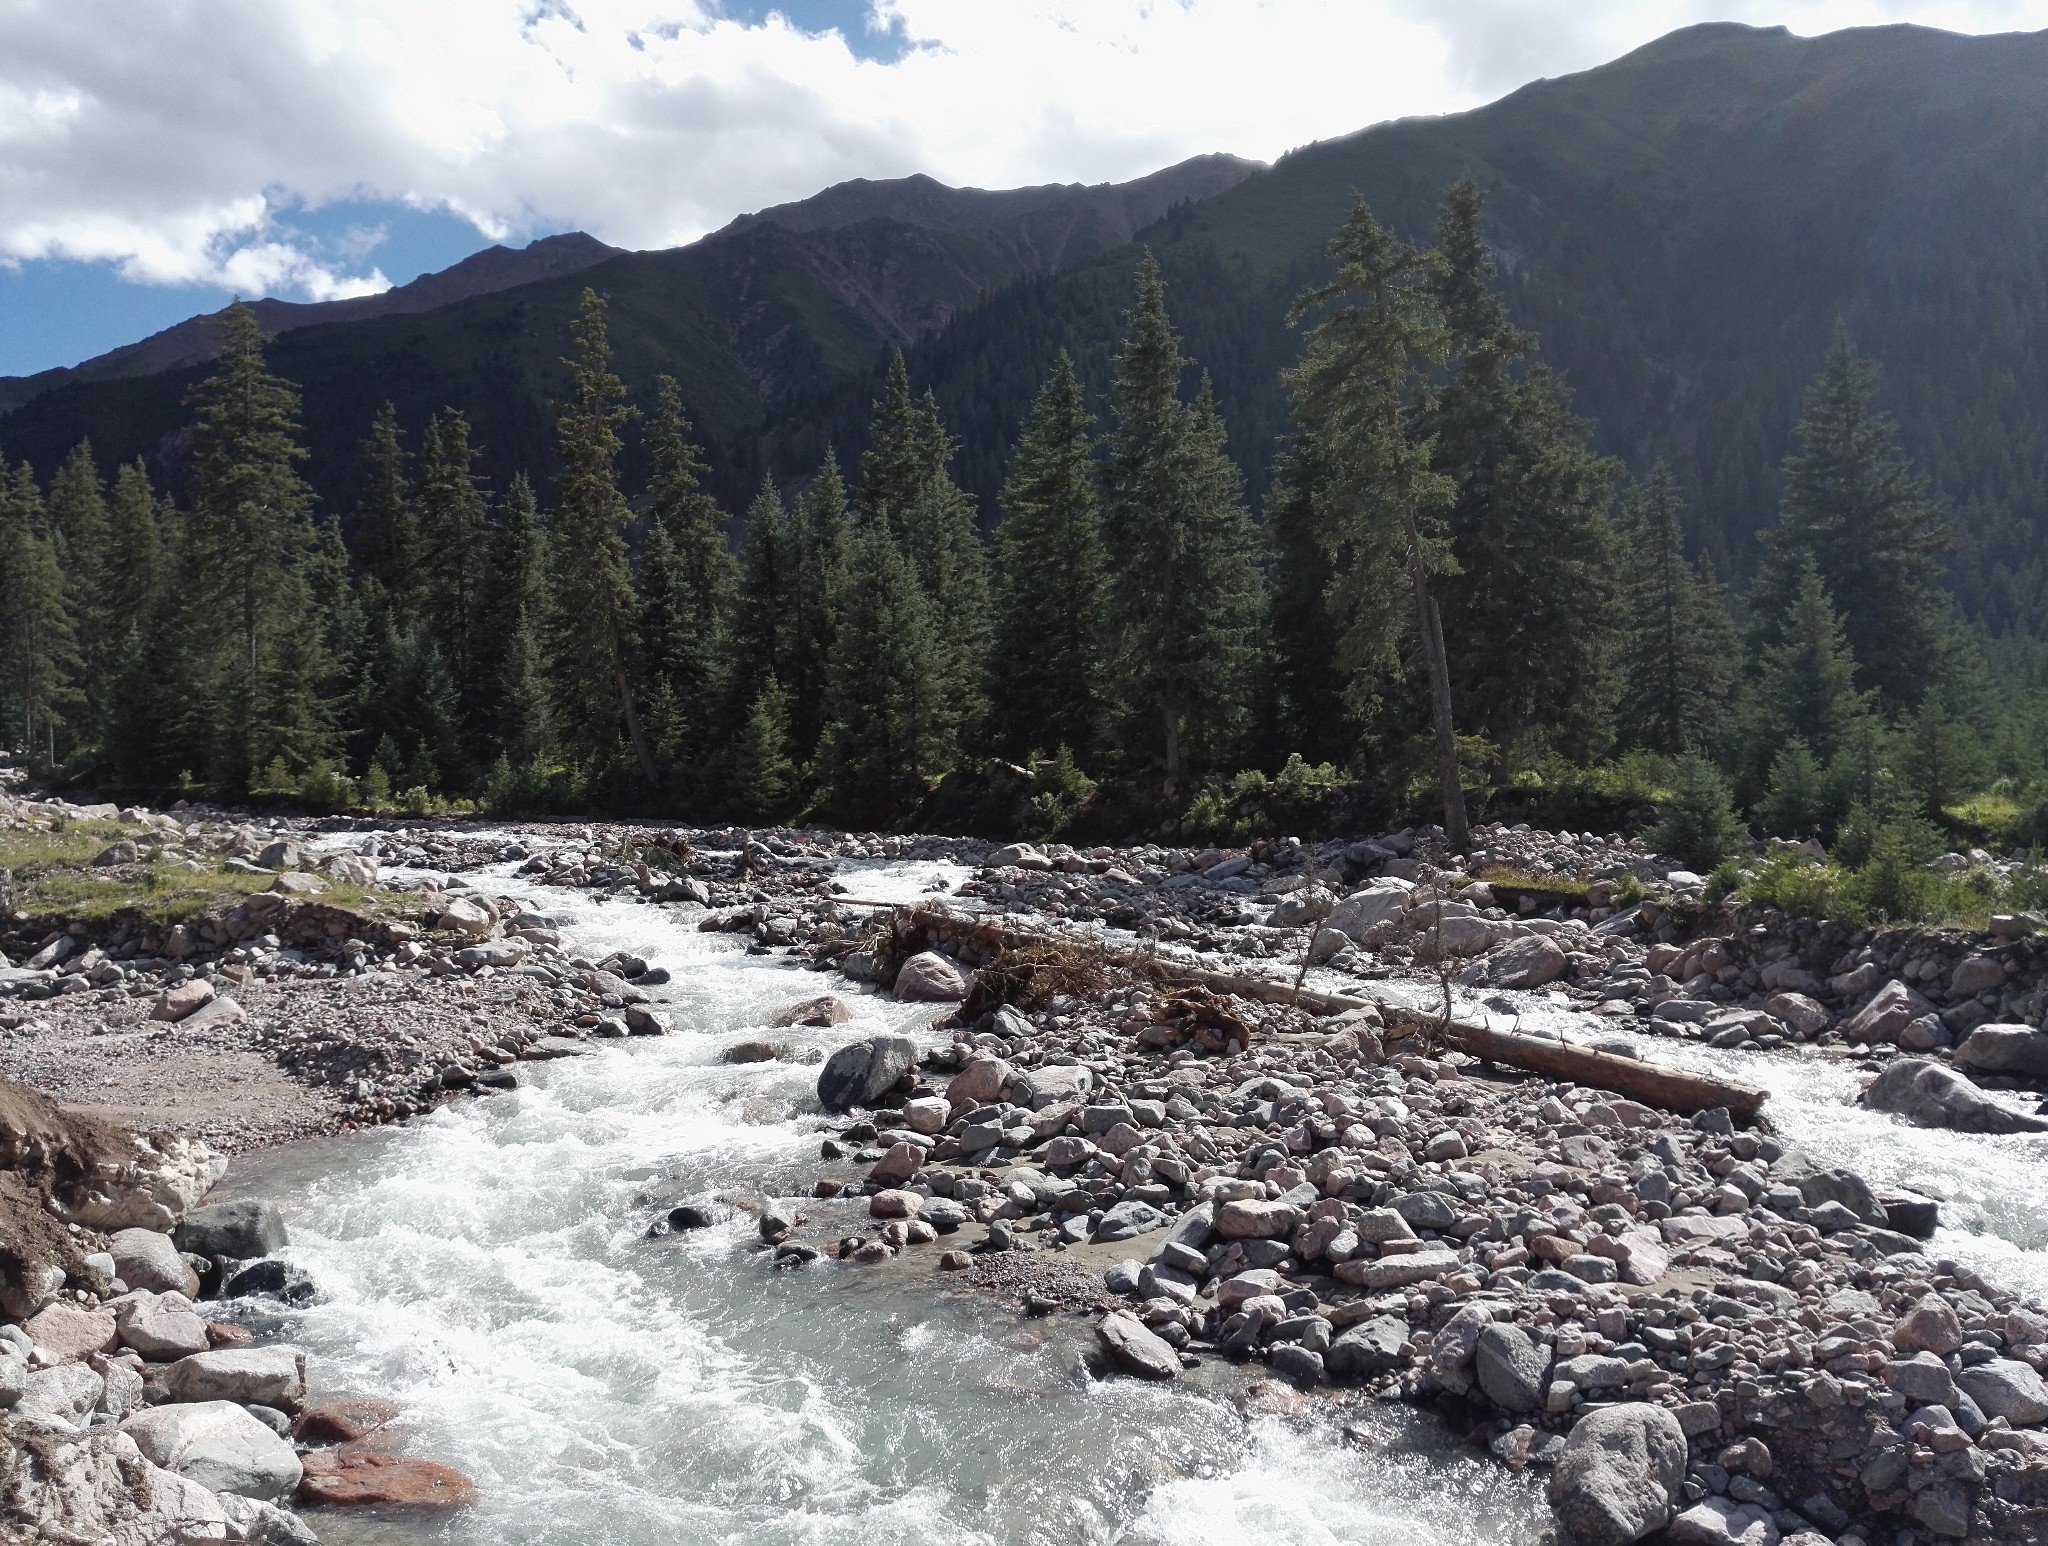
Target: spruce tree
1806 688
887 731
511 696
249 533
687 587
1677 652
762 777
906 487
1310 708
1796 802
77 526
1856 507
1359 390
452 515
1185 594
1525 609
590 640
1049 676
767 591
39 659
820 537
386 524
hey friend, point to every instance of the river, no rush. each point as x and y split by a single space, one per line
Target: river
485 1268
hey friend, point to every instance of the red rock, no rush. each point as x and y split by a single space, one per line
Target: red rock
340 1422
226 1334
354 1479
955 1261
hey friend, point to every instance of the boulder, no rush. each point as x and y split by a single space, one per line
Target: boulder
1723 1522
1452 936
218 1445
220 1011
1974 974
1803 1014
1929 1094
2005 1049
1398 1271
1058 1084
1512 1367
903 1161
66 1332
471 919
358 1478
818 1012
244 1229
1619 1474
284 854
1894 1007
980 1080
1130 1346
175 1003
1931 1326
2005 1387
1376 903
265 1376
161 1327
264 1524
1529 962
1260 1220
146 1259
99 1488
293 884
1368 1350
929 978
858 1073
67 1394
1311 904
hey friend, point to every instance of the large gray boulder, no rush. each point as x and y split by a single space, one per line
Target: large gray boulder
929 978
145 1259
1620 1474
1512 1367
98 1487
66 1394
857 1074
1376 903
2005 1049
161 1327
1368 1350
264 1376
1131 1346
1894 1007
2005 1387
218 1445
1529 962
1928 1094
243 1230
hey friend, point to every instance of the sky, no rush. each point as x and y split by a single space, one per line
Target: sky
158 157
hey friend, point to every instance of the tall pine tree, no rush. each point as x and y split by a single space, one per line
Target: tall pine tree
1049 672
1677 650
1856 507
1525 609
261 679
590 640
511 695
1185 595
452 513
1361 387
687 589
39 660
819 532
386 524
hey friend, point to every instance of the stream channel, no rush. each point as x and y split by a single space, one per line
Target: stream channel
485 1269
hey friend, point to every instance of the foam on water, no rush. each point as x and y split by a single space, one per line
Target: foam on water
486 1269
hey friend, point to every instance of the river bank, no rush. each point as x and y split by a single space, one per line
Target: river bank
1562 1185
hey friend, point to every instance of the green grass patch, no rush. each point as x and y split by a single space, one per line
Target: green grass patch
54 877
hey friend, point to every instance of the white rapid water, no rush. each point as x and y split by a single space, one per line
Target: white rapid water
485 1269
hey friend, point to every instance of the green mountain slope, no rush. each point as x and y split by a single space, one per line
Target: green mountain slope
757 323
1683 226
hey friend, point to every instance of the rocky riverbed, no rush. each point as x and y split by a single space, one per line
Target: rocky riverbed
1686 1323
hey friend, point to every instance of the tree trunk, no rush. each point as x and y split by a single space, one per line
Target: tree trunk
1172 749
1429 629
633 726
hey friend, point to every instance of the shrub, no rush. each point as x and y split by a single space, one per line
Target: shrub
1697 824
1063 793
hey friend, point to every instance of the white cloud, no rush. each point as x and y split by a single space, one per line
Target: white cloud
176 140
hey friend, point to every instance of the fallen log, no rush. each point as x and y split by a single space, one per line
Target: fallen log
1668 1089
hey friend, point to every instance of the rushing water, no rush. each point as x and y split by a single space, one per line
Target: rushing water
486 1269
